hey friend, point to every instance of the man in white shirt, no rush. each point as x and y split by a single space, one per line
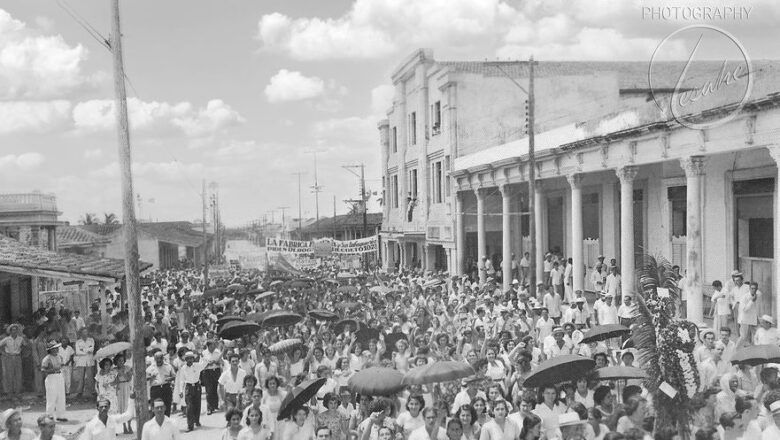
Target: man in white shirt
525 265
612 284
558 346
714 367
766 334
704 351
627 311
721 305
608 311
189 380
103 426
160 427
739 290
772 430
556 280
231 382
431 430
553 304
467 394
83 365
568 281
547 265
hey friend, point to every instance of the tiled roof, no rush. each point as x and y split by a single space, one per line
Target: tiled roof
631 74
17 255
181 233
76 236
347 220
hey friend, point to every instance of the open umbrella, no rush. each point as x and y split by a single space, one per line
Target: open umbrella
225 301
431 283
285 345
236 329
380 289
299 284
604 332
225 319
323 315
344 275
757 355
347 305
276 283
331 281
376 381
278 318
112 349
347 289
235 286
299 396
256 317
211 293
435 372
339 327
619 372
366 334
265 295
559 369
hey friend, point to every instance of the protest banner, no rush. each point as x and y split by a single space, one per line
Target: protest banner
307 254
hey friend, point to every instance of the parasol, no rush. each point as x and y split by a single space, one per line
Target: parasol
299 396
380 289
339 327
331 281
435 372
112 349
279 318
604 332
347 289
431 283
285 345
276 283
347 305
256 317
344 275
366 334
235 286
619 372
757 355
210 293
323 315
299 284
225 301
236 329
265 295
225 319
254 291
559 369
376 381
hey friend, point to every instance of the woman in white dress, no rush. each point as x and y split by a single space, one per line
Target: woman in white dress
272 399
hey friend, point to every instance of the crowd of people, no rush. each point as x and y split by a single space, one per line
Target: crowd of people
401 321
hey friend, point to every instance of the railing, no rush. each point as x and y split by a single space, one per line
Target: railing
28 202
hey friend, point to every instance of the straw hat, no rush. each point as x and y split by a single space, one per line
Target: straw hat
5 416
569 419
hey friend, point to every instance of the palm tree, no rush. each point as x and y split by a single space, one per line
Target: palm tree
88 219
110 219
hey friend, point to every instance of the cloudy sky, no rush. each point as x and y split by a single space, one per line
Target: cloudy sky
244 93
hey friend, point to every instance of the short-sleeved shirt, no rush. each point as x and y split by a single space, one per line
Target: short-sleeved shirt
12 346
232 386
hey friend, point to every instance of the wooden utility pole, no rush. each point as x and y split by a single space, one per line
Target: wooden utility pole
531 181
132 281
205 243
300 218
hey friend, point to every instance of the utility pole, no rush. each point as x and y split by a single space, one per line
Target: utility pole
531 180
284 225
205 243
300 215
132 280
362 202
334 216
316 189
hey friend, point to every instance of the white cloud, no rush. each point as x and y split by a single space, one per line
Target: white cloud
293 86
93 153
36 66
24 161
353 129
158 117
173 171
34 116
382 98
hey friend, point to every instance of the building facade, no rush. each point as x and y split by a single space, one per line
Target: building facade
30 218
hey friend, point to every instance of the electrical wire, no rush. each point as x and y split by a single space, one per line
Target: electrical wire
91 30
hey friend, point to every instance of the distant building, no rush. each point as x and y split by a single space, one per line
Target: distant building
30 218
343 227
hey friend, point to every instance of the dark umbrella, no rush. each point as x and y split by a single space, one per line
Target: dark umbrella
285 345
619 372
211 293
338 328
236 329
323 315
604 332
279 318
347 305
299 284
435 372
376 381
225 319
366 334
757 355
559 369
299 396
256 317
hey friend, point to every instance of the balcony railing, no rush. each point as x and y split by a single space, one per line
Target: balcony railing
28 202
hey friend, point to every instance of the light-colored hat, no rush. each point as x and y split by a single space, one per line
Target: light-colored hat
767 318
775 406
6 415
579 300
514 281
703 331
189 354
736 273
557 329
52 345
569 419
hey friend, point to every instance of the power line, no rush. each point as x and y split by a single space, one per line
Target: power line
94 33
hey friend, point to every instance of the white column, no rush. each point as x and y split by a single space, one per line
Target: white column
460 240
481 245
577 257
775 152
402 249
626 176
450 264
506 236
539 207
694 173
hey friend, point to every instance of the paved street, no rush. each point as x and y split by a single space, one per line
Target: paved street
79 414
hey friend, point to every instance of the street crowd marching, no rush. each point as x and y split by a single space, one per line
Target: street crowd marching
338 355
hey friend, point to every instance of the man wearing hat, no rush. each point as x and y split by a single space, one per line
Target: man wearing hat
161 376
51 367
210 375
11 347
766 333
704 351
190 380
739 290
557 346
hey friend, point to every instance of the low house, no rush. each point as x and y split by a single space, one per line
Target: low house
343 227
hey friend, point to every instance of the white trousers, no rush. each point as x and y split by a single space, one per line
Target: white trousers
55 395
